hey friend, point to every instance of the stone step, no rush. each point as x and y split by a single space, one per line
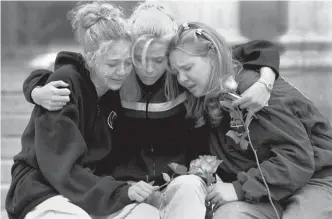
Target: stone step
10 147
13 125
4 215
4 190
11 80
15 103
6 166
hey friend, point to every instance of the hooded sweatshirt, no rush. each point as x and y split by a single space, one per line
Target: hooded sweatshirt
61 150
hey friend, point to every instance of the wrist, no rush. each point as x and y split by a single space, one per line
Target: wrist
267 75
35 93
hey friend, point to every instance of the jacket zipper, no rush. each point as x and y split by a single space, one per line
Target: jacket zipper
151 145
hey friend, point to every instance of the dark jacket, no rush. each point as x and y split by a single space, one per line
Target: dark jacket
293 142
60 150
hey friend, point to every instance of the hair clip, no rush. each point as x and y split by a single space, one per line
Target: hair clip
185 26
211 46
199 31
160 7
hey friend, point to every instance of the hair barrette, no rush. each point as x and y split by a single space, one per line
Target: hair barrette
185 26
199 31
160 7
211 46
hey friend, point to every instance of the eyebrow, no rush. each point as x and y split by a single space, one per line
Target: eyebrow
117 59
182 65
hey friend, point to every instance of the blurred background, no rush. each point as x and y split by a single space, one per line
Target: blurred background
32 32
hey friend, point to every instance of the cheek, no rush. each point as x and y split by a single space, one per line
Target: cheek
100 71
139 71
160 68
107 72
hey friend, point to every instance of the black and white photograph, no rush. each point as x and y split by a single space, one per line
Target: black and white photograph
162 109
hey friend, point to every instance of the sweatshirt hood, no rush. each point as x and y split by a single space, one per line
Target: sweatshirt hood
70 58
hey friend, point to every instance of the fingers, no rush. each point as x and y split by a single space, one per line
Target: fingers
246 105
145 184
240 101
140 191
135 196
53 106
210 188
216 200
61 91
217 205
64 99
145 188
59 84
211 195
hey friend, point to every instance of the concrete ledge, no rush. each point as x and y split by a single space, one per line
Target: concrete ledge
4 215
13 125
10 147
5 171
4 190
15 103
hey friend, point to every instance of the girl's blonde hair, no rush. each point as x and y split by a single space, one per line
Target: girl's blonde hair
149 22
95 24
199 39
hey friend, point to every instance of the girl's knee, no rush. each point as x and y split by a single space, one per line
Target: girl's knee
144 211
188 182
185 188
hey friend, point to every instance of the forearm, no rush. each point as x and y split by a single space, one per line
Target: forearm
267 75
257 54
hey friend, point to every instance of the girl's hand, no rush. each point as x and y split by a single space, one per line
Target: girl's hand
221 193
257 96
50 96
140 191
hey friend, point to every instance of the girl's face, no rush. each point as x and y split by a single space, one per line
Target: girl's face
156 62
115 65
193 72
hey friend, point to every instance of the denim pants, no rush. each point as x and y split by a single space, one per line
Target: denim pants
313 201
183 198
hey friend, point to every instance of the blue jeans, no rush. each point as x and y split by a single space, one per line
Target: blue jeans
245 210
313 201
